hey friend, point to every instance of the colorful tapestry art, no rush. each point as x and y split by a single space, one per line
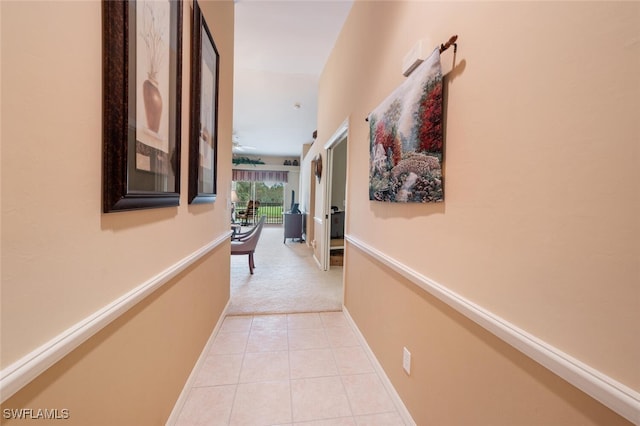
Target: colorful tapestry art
406 139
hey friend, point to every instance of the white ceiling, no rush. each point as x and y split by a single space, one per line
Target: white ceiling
280 50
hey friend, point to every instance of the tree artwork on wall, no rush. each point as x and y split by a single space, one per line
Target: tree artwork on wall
406 139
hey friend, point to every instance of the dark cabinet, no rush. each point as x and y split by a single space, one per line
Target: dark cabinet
294 226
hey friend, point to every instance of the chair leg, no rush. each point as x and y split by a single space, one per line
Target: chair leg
251 263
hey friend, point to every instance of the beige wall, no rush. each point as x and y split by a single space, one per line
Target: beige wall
312 198
62 259
132 371
307 194
540 222
460 374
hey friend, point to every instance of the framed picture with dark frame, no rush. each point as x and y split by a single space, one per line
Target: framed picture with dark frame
203 126
142 80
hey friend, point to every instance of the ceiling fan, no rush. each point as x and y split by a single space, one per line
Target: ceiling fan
238 147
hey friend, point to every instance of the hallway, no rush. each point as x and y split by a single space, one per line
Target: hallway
287 279
283 361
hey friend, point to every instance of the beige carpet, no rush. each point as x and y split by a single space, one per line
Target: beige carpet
286 279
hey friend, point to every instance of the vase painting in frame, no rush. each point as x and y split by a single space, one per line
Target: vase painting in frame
203 128
152 86
142 81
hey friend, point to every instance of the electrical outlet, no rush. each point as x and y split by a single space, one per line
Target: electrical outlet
406 361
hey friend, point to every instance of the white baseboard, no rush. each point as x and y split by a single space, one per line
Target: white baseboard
613 394
177 408
17 375
397 401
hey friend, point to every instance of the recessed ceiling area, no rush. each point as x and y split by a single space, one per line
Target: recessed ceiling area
281 48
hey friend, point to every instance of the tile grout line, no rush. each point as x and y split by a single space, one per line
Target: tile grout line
289 359
340 375
235 393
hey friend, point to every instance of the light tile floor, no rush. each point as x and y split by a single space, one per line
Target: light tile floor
289 369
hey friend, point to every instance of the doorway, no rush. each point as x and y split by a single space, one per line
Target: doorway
335 200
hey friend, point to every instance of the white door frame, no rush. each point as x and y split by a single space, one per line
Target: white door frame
336 138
